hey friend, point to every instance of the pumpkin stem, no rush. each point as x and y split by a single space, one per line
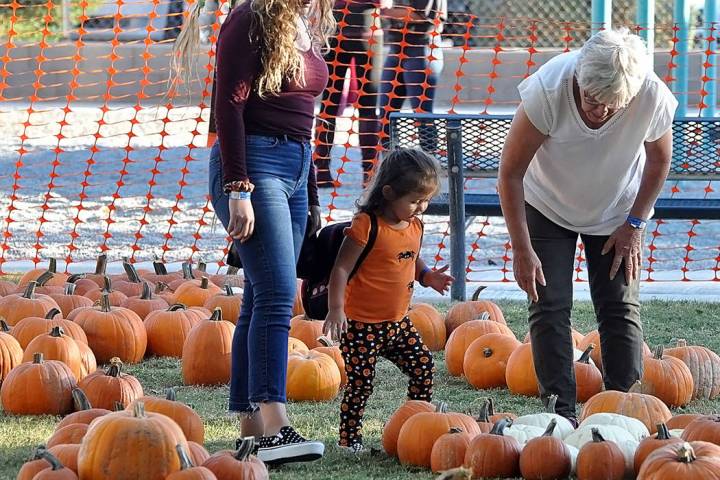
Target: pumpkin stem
131 271
659 352
662 432
585 357
476 294
38 357
681 343
177 306
500 426
216 315
232 270
170 394
52 460
107 284
80 400
487 352
490 407
455 430
686 453
105 302
146 292
247 444
4 326
57 331
114 368
204 283
185 461
483 414
30 290
101 264
550 428
202 266
161 287
138 409
484 316
52 266
37 454
228 290
551 401
52 313
636 388
440 407
159 267
596 435
118 406
70 289
44 278
324 341
187 271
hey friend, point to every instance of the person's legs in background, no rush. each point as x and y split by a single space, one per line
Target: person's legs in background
421 81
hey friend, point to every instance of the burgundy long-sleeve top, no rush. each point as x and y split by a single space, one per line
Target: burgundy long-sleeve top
239 111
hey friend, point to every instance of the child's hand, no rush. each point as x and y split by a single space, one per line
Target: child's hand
438 280
335 324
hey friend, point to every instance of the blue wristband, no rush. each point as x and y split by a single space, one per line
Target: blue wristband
239 195
635 222
422 275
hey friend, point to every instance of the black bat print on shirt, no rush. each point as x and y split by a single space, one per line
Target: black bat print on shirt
406 255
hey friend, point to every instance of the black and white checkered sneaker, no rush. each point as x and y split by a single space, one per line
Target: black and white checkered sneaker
288 446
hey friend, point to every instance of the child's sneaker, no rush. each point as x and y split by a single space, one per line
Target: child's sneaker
288 446
354 449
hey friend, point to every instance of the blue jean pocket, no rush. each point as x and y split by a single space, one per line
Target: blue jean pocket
261 141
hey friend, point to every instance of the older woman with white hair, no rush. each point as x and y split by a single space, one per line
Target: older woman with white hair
587 153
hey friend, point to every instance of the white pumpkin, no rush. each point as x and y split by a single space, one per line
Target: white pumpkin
611 433
632 425
578 353
523 433
676 432
542 420
573 458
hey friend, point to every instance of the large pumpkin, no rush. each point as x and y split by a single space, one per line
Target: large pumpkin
31 327
693 460
486 360
307 330
112 331
419 433
57 346
38 387
238 465
392 427
461 338
130 444
15 307
704 365
493 454
11 353
104 388
228 301
313 376
668 379
206 352
168 329
429 324
186 418
646 408
471 310
146 303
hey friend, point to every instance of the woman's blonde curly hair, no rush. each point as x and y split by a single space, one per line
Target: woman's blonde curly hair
274 29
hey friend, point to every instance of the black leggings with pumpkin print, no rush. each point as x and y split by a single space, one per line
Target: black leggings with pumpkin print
361 345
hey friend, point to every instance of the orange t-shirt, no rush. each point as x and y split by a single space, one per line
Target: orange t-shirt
381 289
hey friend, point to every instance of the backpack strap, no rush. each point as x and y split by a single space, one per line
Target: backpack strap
372 236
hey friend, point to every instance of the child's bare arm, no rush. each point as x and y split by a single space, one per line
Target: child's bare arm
335 322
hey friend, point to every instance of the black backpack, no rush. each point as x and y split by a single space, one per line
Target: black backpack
317 258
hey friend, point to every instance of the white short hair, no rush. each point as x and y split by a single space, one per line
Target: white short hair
612 66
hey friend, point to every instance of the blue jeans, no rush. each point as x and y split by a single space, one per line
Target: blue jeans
278 167
413 84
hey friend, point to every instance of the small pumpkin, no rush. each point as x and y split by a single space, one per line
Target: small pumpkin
588 379
198 454
68 300
56 471
680 421
600 460
17 306
239 464
449 449
312 376
196 292
228 301
667 378
57 346
306 330
35 465
104 388
206 352
115 297
689 460
295 345
168 329
11 354
146 303
431 326
563 426
494 454
705 429
84 412
69 434
134 286
704 366
464 335
187 469
497 416
545 457
392 427
67 453
486 359
51 383
648 445
333 351
520 372
186 418
465 311
100 269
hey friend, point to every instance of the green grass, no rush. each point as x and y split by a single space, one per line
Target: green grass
664 322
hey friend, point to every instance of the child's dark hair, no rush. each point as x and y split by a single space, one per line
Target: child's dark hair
405 170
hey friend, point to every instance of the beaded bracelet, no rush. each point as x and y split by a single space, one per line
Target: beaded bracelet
239 186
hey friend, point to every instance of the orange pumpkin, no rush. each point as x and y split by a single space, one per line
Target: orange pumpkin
146 303
466 311
520 372
104 388
228 301
34 274
168 329
83 286
588 379
682 420
197 453
48 283
306 330
31 327
11 353
705 429
691 460
431 326
494 454
112 331
195 293
600 460
50 382
646 408
296 345
15 307
68 434
313 376
449 450
704 365
545 457
649 444
161 275
186 418
392 427
667 378
33 466
333 351
7 288
419 433
67 453
142 445
84 413
89 363
69 301
115 297
134 285
239 464
231 277
187 469
596 355
206 352
577 337
56 471
298 308
57 346
464 335
97 276
486 360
